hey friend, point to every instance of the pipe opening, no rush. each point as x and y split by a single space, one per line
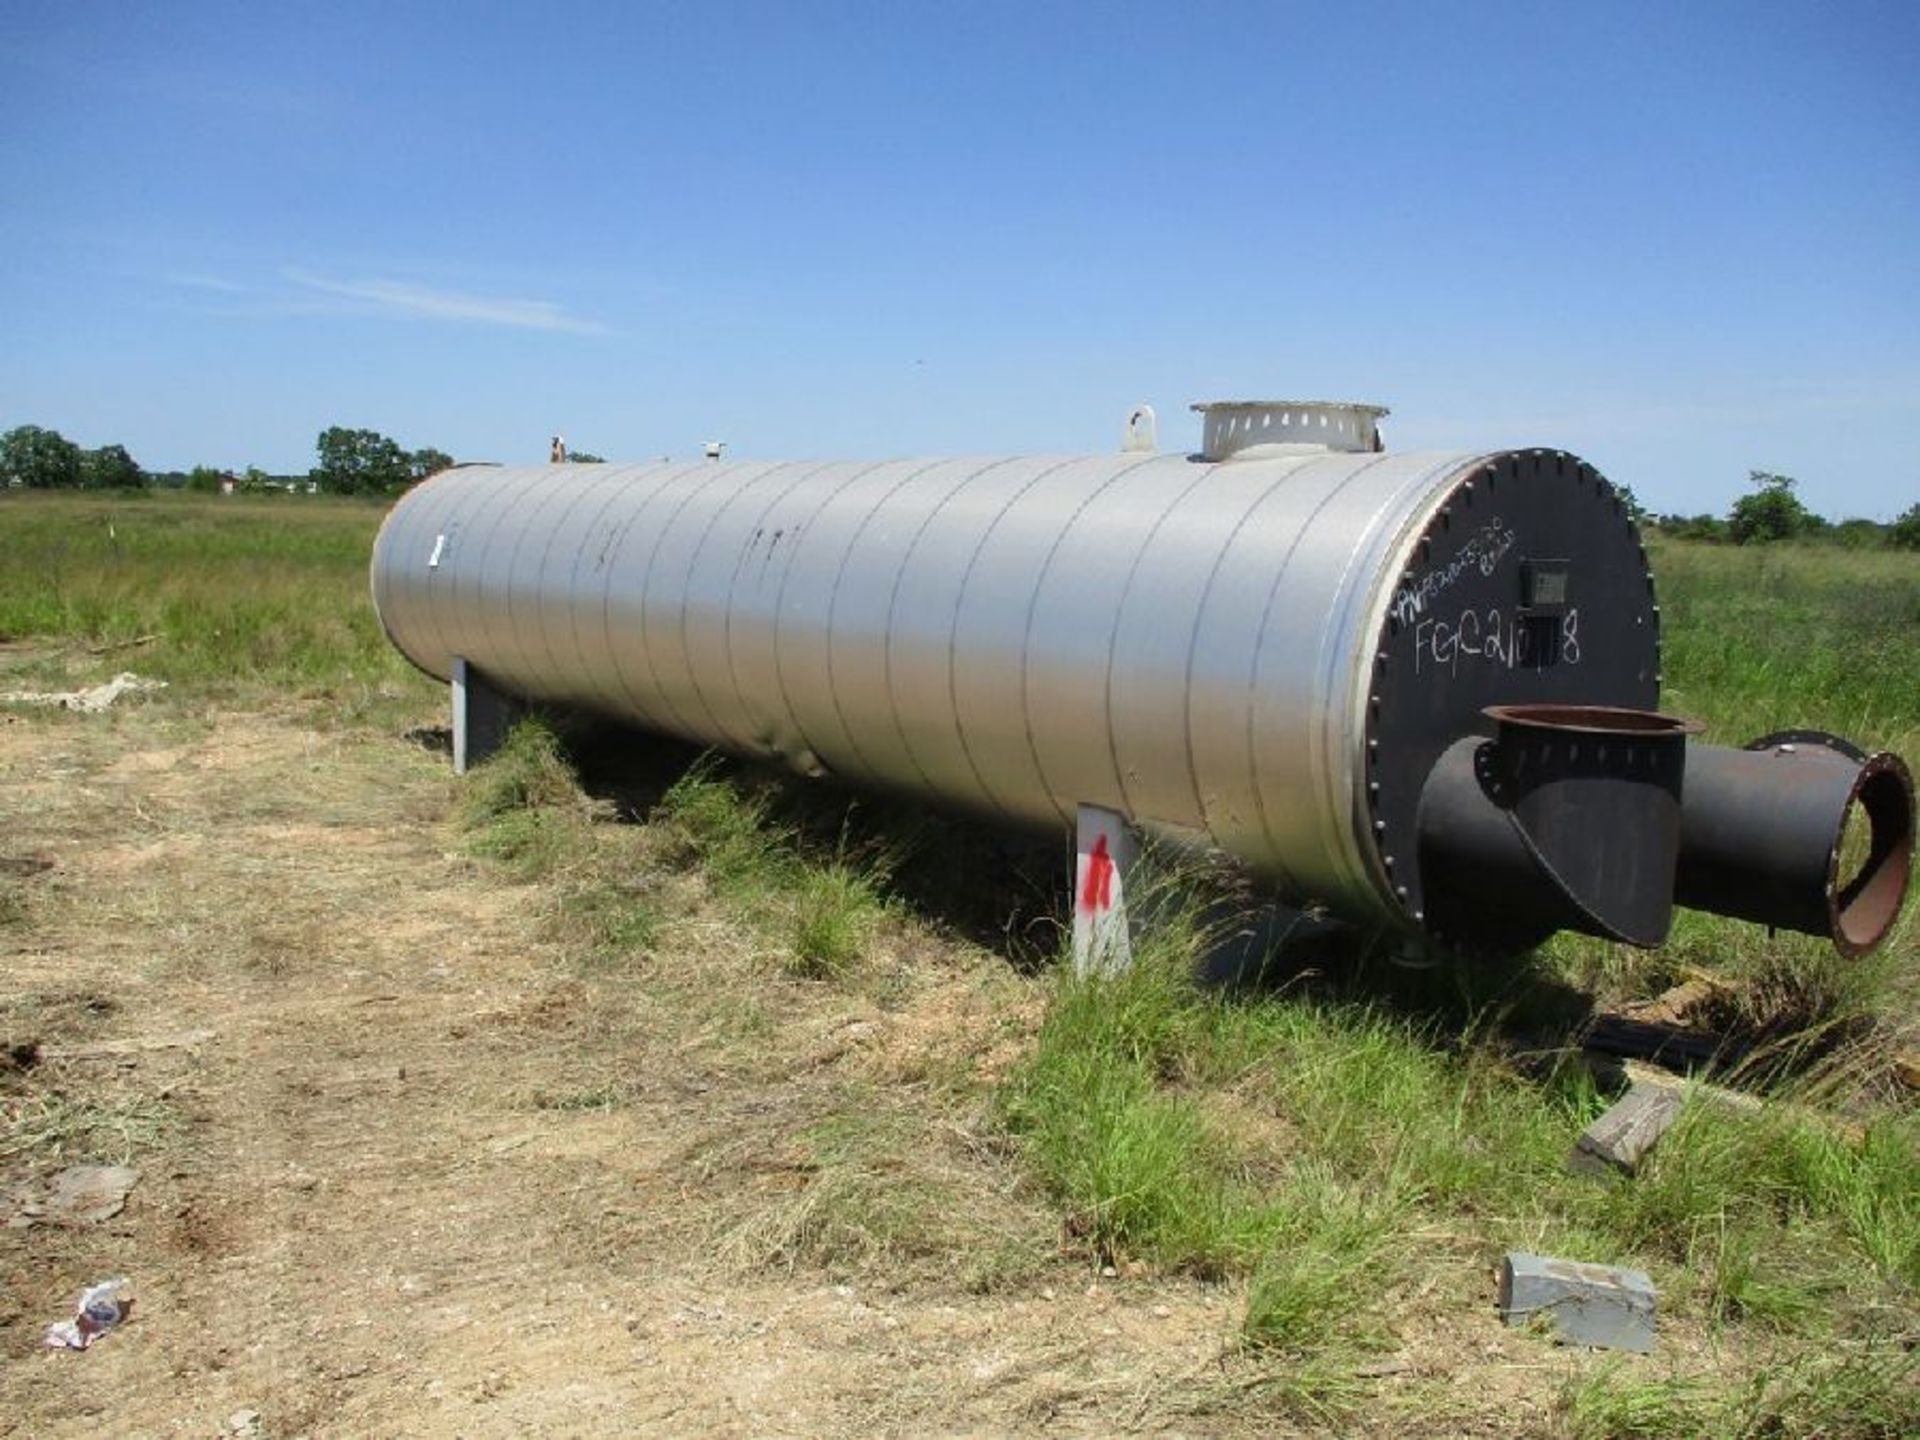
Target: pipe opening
1593 719
1872 855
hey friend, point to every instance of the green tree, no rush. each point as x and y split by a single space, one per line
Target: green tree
205 480
1710 528
39 459
1904 533
584 457
1770 512
1859 534
360 462
110 468
429 462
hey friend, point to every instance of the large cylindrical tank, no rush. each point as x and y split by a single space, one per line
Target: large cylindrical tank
1270 643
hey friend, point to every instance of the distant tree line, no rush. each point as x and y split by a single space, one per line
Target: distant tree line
365 462
1771 510
350 462
46 460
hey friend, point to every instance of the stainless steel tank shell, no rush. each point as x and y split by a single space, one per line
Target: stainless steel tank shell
1192 644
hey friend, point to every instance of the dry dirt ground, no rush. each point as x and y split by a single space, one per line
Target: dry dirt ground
428 1174
425 1178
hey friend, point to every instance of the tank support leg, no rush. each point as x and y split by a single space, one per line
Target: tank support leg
1105 851
482 716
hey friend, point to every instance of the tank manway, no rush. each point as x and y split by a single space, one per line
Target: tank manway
1419 688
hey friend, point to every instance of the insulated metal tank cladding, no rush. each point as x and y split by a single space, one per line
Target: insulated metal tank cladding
1243 649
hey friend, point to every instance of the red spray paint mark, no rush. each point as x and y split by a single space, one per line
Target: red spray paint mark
1096 891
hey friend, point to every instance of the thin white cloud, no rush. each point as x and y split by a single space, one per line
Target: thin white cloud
404 298
207 282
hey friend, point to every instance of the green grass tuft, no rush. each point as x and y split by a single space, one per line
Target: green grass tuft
715 823
1759 1197
1327 1256
528 772
598 1100
1868 1392
1613 1402
1865 1392
523 806
1136 1167
836 908
829 906
611 919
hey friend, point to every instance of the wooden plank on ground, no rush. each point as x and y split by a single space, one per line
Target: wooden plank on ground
1618 1141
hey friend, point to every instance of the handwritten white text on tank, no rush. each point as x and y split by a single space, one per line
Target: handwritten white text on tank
1496 639
1481 554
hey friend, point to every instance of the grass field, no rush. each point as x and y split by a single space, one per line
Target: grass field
221 596
1344 1156
1761 637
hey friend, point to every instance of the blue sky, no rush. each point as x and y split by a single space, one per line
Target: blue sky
1682 240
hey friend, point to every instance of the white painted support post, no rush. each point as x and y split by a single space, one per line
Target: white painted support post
1105 851
482 716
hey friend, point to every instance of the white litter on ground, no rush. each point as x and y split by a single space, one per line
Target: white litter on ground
101 1307
90 702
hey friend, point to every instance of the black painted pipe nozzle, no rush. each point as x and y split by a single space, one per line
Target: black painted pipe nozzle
1804 834
1568 819
1590 818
